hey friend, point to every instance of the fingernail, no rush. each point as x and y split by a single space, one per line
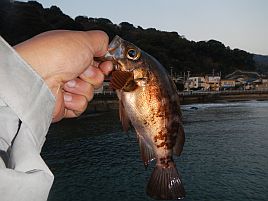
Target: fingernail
71 83
67 97
110 67
89 73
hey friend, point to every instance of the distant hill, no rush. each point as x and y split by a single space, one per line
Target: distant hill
261 63
261 59
20 21
243 74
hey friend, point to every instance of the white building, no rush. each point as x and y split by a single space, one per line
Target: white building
212 83
196 83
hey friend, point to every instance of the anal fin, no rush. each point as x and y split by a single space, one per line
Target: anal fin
180 139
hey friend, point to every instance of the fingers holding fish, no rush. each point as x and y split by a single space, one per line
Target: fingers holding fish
98 41
75 104
79 91
80 87
106 67
93 75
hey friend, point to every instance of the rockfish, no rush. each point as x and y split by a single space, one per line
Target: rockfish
149 101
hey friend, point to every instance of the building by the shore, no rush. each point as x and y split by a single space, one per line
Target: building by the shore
240 80
226 84
261 84
205 83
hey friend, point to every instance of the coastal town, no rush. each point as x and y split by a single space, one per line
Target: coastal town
236 81
192 89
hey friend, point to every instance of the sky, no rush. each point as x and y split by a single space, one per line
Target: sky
239 24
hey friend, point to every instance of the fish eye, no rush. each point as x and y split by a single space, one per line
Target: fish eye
133 54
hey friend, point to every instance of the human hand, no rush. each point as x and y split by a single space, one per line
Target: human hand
65 60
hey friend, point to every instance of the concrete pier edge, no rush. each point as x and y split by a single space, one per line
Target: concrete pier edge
109 101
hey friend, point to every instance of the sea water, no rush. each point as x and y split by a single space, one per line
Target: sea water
225 156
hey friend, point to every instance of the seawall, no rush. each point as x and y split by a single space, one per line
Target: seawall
109 101
222 96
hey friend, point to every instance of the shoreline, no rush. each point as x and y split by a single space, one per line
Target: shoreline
223 96
109 101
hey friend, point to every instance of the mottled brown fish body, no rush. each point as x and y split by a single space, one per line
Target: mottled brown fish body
149 100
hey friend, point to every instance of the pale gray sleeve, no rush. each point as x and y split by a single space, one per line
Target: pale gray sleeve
26 106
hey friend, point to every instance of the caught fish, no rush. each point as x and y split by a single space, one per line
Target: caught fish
149 101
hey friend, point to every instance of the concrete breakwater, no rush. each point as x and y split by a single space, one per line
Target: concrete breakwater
221 96
109 101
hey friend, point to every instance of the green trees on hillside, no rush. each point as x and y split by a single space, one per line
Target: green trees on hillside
20 21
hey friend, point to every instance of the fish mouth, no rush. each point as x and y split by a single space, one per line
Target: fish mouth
109 57
114 50
115 54
115 43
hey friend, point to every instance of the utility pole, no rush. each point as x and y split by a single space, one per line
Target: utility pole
188 74
171 71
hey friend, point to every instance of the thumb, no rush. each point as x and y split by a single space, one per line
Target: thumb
97 41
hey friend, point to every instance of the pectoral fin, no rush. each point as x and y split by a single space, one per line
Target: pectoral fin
130 85
123 80
123 116
141 81
147 152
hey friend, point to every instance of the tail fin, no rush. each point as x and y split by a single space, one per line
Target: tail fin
165 184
